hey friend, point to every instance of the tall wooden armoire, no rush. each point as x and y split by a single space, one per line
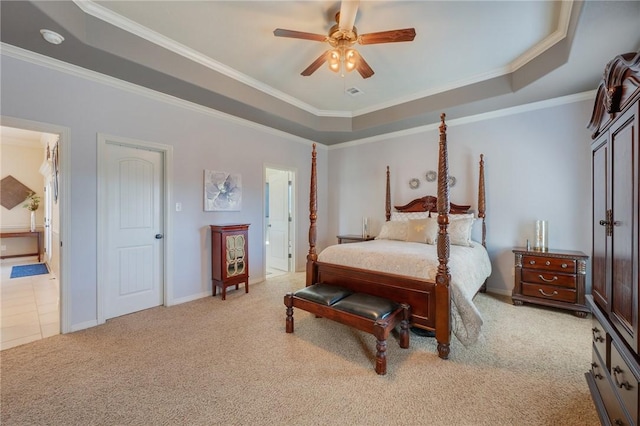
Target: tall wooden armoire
614 377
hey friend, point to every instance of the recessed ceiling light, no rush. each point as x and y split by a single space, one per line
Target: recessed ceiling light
52 36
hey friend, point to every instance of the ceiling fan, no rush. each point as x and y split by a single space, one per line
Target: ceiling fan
341 37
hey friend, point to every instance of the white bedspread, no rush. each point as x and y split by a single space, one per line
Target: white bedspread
469 267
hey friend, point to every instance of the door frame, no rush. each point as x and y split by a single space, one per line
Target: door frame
64 197
292 224
167 159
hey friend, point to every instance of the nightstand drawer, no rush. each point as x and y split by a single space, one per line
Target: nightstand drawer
625 382
549 292
549 278
549 264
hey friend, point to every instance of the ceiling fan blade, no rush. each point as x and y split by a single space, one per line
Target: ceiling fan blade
279 32
392 36
315 64
363 67
348 12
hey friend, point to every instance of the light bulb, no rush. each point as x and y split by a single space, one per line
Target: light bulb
350 58
334 60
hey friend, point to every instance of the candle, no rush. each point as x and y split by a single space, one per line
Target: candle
541 236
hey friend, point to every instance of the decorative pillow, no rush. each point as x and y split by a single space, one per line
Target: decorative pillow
399 216
453 217
460 231
423 230
393 230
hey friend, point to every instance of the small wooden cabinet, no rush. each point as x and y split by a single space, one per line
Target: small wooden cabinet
229 256
551 278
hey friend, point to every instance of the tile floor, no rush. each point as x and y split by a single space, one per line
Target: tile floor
29 306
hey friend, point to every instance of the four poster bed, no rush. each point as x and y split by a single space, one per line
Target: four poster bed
437 280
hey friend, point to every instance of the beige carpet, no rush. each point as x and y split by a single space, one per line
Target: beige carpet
211 362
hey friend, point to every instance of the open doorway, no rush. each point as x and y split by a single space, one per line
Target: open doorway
279 221
31 303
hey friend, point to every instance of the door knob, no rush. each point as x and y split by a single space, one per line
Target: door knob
159 236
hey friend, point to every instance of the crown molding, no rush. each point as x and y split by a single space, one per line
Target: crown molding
125 24
76 71
520 109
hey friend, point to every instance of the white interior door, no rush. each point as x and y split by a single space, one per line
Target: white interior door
278 224
134 274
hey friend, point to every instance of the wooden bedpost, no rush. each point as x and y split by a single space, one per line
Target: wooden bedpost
313 216
388 198
443 277
481 201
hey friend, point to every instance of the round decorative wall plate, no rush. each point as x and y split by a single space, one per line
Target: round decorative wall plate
452 181
414 183
431 176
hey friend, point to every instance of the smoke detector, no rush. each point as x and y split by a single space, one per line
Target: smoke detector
52 36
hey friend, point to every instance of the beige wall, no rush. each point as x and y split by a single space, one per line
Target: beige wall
23 163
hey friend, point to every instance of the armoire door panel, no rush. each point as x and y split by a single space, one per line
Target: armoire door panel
624 201
599 269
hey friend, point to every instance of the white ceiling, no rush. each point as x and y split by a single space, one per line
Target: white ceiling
468 57
239 35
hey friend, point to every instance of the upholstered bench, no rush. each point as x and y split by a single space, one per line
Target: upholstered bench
371 314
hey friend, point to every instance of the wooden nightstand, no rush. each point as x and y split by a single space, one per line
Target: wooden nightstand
552 278
229 257
353 238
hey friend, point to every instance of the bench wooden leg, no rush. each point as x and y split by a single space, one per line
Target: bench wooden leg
381 357
288 301
380 331
404 327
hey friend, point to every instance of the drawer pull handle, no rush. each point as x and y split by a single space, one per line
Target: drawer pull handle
546 280
532 262
555 293
618 422
617 370
547 263
595 331
593 370
564 265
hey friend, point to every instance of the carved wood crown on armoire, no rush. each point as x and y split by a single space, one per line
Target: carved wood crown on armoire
614 376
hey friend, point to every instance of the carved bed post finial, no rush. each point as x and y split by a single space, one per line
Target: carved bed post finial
481 200
313 215
388 198
443 276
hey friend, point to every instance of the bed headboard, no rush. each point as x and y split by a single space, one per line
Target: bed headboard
429 203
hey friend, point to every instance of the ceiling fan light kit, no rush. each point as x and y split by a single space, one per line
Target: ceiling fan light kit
341 37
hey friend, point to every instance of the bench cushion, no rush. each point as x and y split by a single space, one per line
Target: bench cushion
323 294
366 306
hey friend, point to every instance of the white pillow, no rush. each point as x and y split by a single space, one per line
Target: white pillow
398 216
453 217
423 230
460 231
394 230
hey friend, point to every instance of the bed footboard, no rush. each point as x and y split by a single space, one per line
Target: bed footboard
419 294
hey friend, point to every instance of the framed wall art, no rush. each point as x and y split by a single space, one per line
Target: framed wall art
222 191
